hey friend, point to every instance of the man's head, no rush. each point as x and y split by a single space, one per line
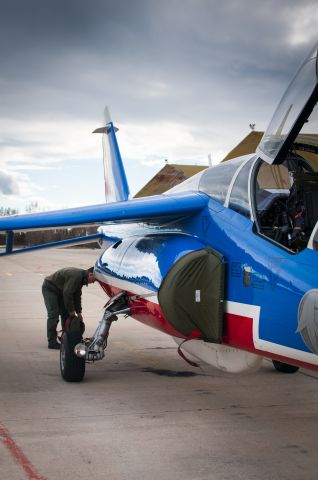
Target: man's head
90 275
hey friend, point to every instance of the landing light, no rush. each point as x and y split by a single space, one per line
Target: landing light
80 350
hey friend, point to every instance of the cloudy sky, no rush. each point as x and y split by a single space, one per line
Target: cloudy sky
182 79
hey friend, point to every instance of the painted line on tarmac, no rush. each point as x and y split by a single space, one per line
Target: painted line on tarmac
18 455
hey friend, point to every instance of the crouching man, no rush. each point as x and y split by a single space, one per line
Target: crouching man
62 293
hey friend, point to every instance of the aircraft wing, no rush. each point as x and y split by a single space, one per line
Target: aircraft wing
148 209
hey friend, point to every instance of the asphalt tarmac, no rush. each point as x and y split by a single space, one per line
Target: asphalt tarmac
142 412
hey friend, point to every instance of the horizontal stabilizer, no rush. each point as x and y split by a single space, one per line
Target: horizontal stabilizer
104 130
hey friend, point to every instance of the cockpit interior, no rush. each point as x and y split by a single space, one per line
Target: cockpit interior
286 202
281 200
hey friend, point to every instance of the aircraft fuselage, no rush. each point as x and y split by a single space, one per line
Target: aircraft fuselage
262 288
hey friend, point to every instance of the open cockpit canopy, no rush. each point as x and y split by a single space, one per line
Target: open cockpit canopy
285 180
292 113
278 186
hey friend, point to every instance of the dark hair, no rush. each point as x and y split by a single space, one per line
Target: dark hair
90 270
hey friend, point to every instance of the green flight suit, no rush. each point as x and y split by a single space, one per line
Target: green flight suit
62 293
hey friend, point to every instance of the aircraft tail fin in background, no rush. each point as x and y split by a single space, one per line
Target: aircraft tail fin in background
116 185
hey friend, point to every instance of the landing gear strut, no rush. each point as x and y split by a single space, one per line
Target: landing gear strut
75 350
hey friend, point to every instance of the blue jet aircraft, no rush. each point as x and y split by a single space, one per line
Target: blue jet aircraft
224 262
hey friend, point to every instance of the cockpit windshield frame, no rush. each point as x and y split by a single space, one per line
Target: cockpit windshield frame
217 182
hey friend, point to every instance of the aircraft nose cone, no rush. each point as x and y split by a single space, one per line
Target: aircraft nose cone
308 319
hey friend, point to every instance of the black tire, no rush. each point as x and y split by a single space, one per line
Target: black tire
72 367
284 367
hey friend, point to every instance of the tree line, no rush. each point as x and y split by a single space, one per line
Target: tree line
30 238
4 211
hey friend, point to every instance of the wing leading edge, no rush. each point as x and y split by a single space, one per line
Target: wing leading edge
147 209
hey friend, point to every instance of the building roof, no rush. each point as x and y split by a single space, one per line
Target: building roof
169 176
247 145
173 174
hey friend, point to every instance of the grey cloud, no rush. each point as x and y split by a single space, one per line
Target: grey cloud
204 33
76 56
8 185
16 142
212 67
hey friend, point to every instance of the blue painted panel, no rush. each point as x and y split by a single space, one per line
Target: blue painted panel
146 260
278 279
148 208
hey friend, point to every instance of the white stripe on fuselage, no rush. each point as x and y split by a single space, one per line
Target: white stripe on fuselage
253 312
127 286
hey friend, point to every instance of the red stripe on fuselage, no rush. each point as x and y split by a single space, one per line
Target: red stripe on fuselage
145 311
239 334
238 328
239 331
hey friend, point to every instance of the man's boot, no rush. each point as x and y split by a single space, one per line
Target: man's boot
54 344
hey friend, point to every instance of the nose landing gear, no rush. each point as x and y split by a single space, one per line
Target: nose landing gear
76 351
